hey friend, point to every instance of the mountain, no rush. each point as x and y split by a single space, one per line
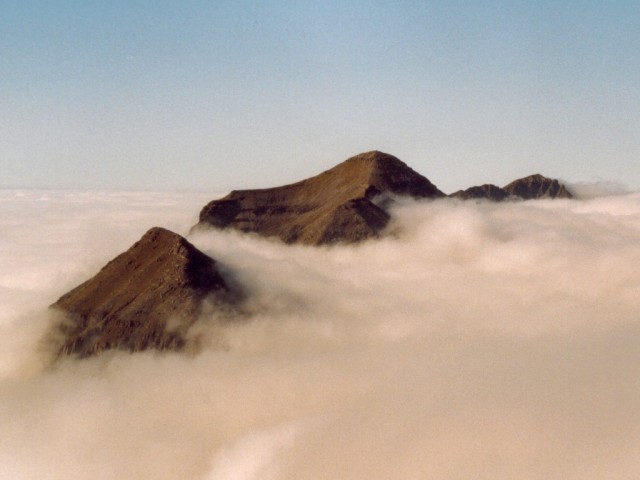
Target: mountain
537 186
527 188
150 295
486 191
146 297
339 205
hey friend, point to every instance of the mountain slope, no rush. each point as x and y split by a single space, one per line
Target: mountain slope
146 297
537 186
336 206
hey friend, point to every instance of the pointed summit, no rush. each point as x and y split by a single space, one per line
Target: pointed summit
335 206
388 174
146 297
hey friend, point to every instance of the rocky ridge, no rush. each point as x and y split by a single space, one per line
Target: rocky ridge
487 191
339 205
527 188
537 186
149 296
146 297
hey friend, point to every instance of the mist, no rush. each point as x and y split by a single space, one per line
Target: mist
474 340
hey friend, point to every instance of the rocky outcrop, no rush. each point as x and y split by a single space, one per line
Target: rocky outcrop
339 205
147 297
486 191
527 188
537 186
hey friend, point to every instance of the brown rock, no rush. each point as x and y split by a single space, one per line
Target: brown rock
147 297
537 186
335 206
486 191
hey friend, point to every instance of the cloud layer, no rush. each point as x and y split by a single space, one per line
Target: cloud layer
488 341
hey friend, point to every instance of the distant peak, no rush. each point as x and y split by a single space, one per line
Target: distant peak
537 186
487 191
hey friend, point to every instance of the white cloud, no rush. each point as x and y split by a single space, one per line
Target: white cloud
478 340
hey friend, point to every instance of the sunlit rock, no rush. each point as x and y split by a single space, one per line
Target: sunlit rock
146 297
339 205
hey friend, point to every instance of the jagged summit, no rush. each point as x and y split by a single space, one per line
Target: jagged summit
146 297
486 191
526 188
334 206
537 186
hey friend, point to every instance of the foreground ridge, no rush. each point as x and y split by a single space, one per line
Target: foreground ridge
146 297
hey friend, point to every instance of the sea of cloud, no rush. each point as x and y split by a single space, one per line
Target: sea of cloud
475 340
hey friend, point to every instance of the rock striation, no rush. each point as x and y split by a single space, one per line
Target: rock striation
537 186
339 205
146 297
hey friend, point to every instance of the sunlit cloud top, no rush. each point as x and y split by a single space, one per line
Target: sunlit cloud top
475 340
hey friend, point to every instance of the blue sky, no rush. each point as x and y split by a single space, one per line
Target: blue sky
220 95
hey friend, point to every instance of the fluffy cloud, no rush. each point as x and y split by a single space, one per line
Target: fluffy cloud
476 340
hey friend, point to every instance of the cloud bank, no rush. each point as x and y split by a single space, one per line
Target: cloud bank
477 340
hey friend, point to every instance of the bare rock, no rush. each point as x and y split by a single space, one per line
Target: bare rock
486 191
537 186
336 206
146 297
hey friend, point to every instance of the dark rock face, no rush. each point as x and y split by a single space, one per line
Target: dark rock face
147 297
487 191
537 186
527 188
335 206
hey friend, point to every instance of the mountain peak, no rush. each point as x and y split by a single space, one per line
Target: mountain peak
321 209
537 186
487 191
146 297
374 156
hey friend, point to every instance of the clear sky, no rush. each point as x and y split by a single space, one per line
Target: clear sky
217 95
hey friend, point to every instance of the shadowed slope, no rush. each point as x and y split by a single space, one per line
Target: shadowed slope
335 206
487 191
537 186
527 188
147 297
